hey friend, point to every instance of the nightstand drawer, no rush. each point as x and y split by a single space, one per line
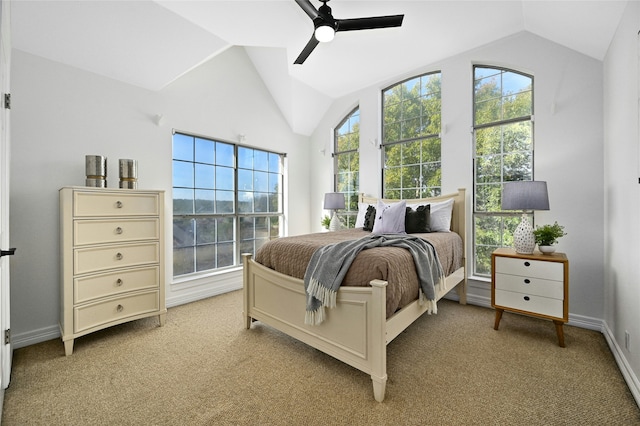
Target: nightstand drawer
114 231
529 303
530 268
110 284
536 286
96 259
97 314
115 204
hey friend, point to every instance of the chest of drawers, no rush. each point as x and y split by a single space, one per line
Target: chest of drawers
112 254
531 284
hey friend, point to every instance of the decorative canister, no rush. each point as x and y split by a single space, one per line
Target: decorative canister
128 173
96 171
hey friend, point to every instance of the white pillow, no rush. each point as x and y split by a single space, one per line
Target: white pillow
390 218
362 211
440 219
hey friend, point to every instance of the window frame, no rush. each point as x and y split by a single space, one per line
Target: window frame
349 214
508 219
420 189
240 244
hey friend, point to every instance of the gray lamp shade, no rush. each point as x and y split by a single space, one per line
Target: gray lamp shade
334 200
525 195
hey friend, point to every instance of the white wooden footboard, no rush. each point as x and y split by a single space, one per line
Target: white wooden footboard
279 301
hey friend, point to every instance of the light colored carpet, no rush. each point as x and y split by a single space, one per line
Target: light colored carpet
204 368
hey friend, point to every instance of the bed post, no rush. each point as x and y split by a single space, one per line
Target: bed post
378 349
246 257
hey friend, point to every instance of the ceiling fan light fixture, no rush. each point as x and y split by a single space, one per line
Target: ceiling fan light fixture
324 33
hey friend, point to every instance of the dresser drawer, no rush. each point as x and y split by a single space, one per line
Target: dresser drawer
115 309
94 259
93 204
95 231
537 286
529 303
530 268
113 283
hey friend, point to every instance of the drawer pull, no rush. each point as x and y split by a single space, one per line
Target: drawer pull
119 282
526 298
527 281
120 308
119 204
119 256
527 264
118 230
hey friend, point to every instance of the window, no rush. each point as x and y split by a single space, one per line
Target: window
411 138
503 139
346 165
227 200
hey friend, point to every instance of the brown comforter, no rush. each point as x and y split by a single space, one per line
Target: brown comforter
290 256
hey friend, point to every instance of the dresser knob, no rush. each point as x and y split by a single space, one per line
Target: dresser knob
119 204
119 282
527 264
526 298
119 256
120 308
527 281
118 230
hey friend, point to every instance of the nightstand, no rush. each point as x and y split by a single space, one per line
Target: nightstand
531 284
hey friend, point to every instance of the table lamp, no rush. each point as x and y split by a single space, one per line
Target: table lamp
525 195
334 201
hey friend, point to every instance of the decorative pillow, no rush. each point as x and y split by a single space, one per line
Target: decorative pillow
417 221
362 211
369 218
390 218
440 219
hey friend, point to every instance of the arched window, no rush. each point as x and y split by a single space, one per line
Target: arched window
503 147
346 165
411 159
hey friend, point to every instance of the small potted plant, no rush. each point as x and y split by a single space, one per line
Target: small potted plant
547 235
326 222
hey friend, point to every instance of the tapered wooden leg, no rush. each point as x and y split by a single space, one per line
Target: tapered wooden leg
498 318
560 333
68 347
379 385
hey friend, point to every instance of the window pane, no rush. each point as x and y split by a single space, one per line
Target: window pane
224 178
274 163
224 154
224 201
260 160
225 255
183 174
183 261
245 202
183 232
204 201
205 257
183 201
205 151
245 158
245 180
260 181
205 176
183 147
205 230
225 229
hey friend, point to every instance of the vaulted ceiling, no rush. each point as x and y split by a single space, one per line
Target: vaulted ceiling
151 43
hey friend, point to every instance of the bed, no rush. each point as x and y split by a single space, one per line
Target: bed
358 329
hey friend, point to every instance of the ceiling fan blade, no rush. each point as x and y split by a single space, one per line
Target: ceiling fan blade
369 23
313 42
308 8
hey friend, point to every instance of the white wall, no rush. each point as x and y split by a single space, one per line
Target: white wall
568 150
60 114
622 204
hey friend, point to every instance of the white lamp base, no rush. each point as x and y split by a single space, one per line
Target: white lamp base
523 239
335 224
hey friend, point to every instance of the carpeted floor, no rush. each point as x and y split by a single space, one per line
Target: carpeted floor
204 368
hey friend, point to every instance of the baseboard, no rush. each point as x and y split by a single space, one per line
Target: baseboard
35 336
628 374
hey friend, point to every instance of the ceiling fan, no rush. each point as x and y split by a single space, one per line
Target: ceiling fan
325 25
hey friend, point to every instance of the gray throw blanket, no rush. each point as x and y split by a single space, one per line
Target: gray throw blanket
329 265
